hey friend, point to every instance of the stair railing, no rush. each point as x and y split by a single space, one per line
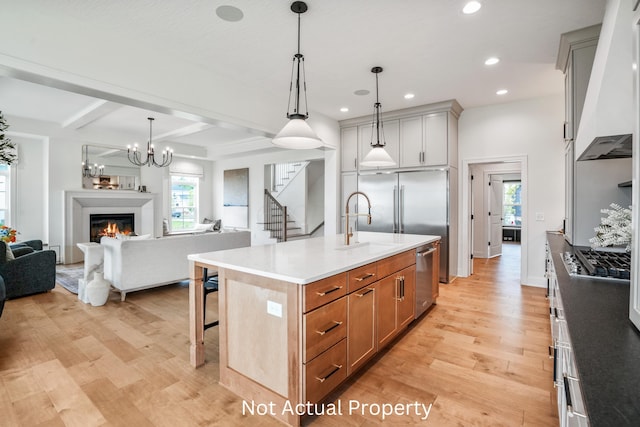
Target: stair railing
275 217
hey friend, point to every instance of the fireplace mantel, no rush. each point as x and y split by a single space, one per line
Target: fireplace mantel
78 205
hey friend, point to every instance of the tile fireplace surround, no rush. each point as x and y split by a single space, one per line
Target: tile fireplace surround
79 205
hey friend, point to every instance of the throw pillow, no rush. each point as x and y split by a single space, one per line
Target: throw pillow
203 227
217 225
207 221
22 250
165 227
9 253
121 236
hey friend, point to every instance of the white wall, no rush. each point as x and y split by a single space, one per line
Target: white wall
531 129
30 178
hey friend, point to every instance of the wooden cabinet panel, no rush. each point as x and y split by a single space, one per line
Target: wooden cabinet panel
325 372
349 149
324 327
387 290
411 147
407 297
395 302
324 291
361 276
435 139
361 333
395 263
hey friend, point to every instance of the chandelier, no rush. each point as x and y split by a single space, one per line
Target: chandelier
378 156
135 156
89 171
297 133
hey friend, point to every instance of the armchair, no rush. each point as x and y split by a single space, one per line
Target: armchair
32 271
2 295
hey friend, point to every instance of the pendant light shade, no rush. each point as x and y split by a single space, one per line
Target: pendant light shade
297 134
378 156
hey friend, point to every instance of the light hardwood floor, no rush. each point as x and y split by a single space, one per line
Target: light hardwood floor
480 357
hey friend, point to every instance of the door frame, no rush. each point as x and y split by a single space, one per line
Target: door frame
464 222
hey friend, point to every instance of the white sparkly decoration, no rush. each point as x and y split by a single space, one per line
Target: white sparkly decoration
615 228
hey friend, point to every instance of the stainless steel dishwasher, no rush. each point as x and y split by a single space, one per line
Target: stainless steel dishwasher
427 273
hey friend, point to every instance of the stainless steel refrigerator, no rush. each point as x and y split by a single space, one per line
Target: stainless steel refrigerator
409 202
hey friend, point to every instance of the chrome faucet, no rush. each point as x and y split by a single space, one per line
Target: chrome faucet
349 233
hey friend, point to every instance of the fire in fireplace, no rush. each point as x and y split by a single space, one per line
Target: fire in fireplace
110 225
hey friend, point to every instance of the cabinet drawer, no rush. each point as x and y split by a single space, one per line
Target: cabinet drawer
395 263
326 372
361 276
324 327
324 291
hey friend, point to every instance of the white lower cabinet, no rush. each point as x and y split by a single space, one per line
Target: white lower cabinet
571 408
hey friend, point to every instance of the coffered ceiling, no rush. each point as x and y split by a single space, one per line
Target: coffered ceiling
427 47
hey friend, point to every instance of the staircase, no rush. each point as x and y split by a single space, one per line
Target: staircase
283 174
277 221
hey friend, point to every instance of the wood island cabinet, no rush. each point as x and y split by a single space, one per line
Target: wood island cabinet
361 341
302 340
351 316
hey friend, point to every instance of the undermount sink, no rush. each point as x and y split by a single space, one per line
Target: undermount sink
372 245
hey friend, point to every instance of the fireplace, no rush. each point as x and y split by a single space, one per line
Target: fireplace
110 224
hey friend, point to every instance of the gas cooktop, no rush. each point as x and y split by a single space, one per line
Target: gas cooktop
598 264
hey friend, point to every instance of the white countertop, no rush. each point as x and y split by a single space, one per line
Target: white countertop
307 260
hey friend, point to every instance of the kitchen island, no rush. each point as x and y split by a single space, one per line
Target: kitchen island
298 318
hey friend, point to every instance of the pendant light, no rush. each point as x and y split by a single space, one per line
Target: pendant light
135 155
297 134
378 156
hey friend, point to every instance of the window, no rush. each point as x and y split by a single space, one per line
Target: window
512 204
5 199
184 202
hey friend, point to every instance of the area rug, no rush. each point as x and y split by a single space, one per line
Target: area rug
67 277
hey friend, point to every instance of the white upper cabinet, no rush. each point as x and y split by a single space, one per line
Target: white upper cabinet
391 137
411 136
415 137
436 140
349 148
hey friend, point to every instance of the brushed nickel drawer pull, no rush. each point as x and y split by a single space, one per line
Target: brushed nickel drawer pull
331 328
365 277
335 288
336 368
369 290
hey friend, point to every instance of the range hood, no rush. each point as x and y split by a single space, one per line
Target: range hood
608 147
607 118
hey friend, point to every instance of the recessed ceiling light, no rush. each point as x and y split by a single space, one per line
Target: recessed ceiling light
502 92
229 13
409 96
344 109
492 61
361 92
471 7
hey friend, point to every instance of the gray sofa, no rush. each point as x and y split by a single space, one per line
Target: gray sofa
32 271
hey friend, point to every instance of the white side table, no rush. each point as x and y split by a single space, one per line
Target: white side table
93 261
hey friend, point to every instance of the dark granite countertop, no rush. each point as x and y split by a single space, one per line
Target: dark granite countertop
606 345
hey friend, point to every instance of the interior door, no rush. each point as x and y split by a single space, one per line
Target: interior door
495 215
